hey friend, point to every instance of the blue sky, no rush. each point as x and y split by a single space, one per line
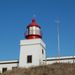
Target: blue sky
15 15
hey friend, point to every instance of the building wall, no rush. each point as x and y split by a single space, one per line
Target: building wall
8 64
32 47
61 61
66 59
14 63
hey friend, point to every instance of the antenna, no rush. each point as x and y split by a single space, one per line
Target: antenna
58 37
34 16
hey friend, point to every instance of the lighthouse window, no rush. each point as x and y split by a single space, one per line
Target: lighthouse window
34 30
42 51
29 59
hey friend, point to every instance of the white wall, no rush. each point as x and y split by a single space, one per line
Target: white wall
31 47
8 64
65 59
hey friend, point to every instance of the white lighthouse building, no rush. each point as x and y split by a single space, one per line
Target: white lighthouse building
32 51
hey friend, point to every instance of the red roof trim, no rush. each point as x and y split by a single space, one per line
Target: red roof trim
33 24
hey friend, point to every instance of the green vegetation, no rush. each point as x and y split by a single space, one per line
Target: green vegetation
53 69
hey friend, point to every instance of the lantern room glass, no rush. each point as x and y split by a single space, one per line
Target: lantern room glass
33 30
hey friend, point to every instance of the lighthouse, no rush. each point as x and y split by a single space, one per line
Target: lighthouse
32 48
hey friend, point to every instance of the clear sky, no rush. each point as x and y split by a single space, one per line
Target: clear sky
15 15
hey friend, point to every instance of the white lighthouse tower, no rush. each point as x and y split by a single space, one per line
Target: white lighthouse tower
32 49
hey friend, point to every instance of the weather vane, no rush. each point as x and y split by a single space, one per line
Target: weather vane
34 16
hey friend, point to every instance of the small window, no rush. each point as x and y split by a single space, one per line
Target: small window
4 70
42 51
29 59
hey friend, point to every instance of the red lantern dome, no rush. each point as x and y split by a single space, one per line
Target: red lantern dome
33 31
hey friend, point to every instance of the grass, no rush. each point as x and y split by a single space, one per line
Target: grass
53 69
